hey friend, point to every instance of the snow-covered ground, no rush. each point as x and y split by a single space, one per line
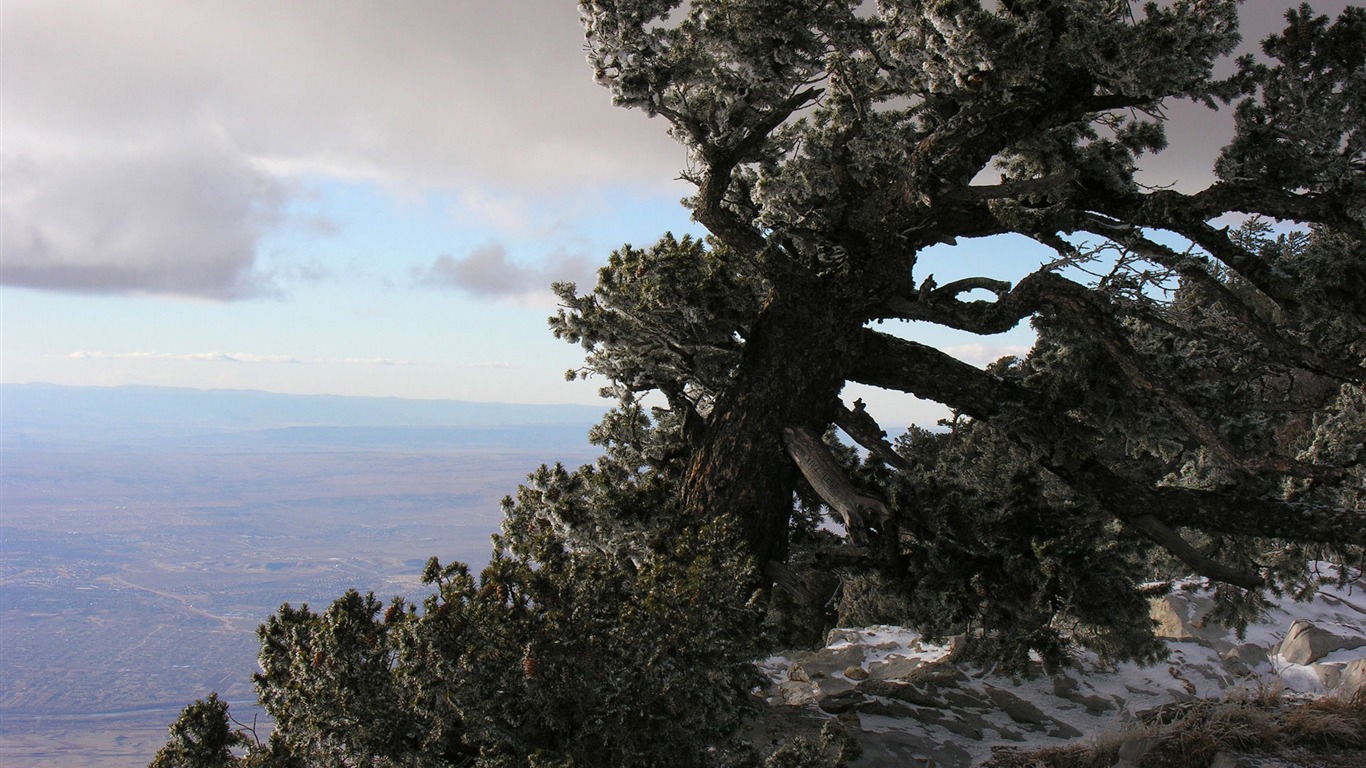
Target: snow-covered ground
909 705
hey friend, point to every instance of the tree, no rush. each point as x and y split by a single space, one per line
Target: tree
570 648
202 737
1195 401
1181 364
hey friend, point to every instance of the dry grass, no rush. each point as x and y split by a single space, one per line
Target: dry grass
1316 732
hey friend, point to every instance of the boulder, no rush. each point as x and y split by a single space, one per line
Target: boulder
1181 616
894 668
1248 654
795 694
1305 643
1353 677
1330 675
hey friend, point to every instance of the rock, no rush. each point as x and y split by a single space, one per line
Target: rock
1330 675
1016 708
842 702
963 725
1180 616
829 686
943 674
898 749
825 664
797 694
1353 677
1224 759
1069 689
840 635
1305 643
921 696
1249 654
966 699
896 710
1132 751
894 668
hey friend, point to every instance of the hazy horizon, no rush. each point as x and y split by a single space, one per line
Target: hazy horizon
147 531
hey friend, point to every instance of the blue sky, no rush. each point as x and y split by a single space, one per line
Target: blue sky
340 197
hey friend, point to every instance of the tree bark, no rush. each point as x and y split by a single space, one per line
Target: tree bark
793 368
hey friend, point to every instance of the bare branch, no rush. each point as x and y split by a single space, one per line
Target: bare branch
829 481
865 430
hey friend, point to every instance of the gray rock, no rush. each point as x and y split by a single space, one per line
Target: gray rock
898 749
830 686
898 710
894 668
1223 759
825 664
1305 643
919 695
843 635
1016 708
966 699
1068 689
1250 654
967 726
839 703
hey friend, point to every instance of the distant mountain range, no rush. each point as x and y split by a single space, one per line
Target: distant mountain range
48 415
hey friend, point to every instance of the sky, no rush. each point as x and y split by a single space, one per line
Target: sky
343 197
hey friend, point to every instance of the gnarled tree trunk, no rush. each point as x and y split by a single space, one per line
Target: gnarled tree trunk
794 365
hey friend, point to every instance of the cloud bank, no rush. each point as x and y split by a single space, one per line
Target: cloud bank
180 220
151 146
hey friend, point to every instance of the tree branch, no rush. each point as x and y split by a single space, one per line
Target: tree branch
1288 350
926 372
1046 289
1171 541
829 481
908 366
941 305
1188 216
1223 513
866 432
721 161
1017 187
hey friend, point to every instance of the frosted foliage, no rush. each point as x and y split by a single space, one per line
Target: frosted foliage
1302 128
1178 399
793 100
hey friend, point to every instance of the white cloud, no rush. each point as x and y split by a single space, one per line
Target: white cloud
149 145
169 219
